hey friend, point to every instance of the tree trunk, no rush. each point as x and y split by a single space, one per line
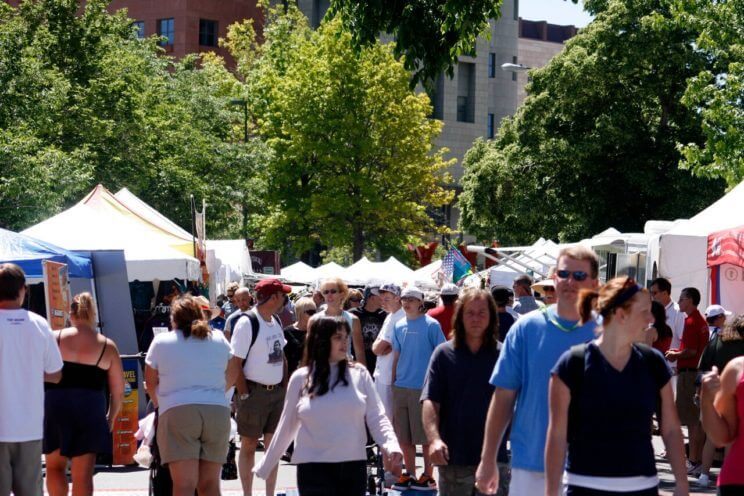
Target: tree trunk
358 247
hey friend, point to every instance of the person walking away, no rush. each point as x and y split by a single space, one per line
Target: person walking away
79 411
29 356
603 395
443 313
329 402
335 291
456 394
725 345
722 405
532 347
500 296
371 317
687 357
186 376
383 350
414 339
260 366
526 301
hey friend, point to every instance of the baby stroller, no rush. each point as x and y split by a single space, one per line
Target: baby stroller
375 471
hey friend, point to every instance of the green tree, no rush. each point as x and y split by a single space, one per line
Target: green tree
717 93
595 142
353 159
83 101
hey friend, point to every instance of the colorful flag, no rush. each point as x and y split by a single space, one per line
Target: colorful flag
455 266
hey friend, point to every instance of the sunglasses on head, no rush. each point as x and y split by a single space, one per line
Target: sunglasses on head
578 275
329 291
310 312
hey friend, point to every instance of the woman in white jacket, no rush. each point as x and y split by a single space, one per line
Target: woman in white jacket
328 404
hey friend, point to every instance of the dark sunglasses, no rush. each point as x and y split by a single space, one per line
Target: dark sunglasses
330 291
578 275
310 312
355 300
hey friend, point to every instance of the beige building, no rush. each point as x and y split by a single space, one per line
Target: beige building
539 42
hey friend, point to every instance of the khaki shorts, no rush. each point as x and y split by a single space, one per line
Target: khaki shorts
689 413
407 416
20 468
259 413
194 432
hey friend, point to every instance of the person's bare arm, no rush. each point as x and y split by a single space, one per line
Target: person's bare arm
718 402
438 450
152 379
235 370
671 433
500 413
115 375
54 377
381 347
358 341
396 355
555 446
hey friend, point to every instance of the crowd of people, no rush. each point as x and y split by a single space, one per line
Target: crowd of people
505 392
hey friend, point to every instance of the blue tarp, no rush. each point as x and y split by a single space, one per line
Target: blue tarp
28 253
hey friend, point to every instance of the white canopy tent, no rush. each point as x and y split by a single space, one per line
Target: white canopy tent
536 259
298 272
427 276
680 254
147 255
361 273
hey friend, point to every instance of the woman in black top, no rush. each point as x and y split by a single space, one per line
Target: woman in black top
77 424
603 395
295 334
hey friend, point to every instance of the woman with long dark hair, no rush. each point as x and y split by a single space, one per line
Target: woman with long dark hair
603 395
659 334
329 401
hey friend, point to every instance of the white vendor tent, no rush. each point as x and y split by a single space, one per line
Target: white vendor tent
680 254
298 272
428 276
534 260
100 222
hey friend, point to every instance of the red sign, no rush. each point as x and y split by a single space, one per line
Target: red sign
56 293
726 246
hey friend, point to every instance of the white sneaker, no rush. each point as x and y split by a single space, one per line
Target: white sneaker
703 480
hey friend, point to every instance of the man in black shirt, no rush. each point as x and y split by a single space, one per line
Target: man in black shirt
371 316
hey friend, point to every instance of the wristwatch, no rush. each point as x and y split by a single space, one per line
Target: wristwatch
244 396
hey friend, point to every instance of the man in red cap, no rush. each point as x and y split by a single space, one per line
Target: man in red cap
258 352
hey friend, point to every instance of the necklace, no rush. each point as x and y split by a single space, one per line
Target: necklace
555 322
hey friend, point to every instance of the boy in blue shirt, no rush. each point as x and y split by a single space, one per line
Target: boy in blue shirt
531 349
414 340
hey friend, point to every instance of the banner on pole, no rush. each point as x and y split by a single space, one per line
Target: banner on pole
56 294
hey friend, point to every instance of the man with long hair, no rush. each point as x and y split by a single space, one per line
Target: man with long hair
456 395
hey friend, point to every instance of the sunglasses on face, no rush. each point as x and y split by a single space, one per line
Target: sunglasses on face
329 291
578 275
355 300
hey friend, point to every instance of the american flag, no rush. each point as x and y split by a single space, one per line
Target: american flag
455 266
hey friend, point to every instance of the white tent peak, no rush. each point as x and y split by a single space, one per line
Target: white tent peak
723 214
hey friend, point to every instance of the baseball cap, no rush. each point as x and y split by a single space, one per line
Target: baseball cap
390 288
372 289
716 310
449 289
412 292
267 287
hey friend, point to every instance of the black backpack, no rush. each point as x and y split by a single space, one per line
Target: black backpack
254 328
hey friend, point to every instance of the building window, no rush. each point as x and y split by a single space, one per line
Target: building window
166 30
514 74
465 92
139 26
207 33
490 126
492 65
436 96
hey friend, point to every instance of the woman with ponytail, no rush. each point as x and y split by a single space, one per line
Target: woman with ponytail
603 395
329 401
186 378
77 422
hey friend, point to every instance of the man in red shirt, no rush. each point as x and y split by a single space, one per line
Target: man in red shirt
694 340
444 312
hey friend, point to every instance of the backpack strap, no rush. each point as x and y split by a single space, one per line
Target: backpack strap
253 318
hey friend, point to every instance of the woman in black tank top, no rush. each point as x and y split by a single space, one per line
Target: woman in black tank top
77 424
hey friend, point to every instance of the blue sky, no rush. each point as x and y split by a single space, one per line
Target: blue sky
554 11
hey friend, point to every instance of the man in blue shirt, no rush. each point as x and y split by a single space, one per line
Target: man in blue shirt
414 340
522 373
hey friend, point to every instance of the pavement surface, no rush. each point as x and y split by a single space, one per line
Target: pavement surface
133 481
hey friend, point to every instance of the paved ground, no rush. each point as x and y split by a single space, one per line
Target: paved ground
126 481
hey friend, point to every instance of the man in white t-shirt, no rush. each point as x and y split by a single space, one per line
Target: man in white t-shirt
28 357
383 348
259 354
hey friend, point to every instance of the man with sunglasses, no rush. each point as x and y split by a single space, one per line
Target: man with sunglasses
531 349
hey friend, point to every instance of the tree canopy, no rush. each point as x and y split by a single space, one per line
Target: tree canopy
595 144
353 162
